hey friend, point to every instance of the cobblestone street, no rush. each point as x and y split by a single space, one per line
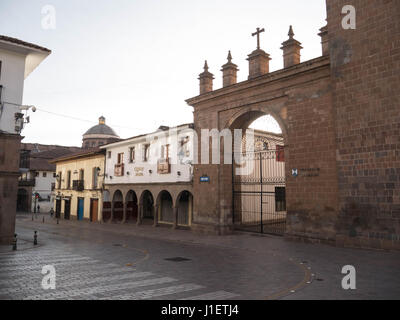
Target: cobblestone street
109 261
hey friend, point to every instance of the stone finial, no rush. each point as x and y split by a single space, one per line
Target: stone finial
229 57
206 80
291 33
291 50
324 40
205 66
229 72
102 120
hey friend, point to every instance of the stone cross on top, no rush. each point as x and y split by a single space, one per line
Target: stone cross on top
257 33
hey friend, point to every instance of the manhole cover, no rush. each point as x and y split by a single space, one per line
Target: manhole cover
117 245
177 259
319 279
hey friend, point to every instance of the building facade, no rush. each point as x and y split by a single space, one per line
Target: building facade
17 60
37 175
339 117
79 185
149 178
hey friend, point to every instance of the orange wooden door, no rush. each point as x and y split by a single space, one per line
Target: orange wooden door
94 211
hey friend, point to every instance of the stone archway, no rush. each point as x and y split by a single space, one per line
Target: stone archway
165 207
147 207
131 203
23 200
117 206
299 98
184 204
258 176
243 118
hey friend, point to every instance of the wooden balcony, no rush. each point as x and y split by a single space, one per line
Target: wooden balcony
163 166
119 170
26 183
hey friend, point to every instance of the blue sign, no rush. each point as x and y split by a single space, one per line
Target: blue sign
204 179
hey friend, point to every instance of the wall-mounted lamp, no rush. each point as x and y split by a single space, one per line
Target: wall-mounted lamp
128 173
179 173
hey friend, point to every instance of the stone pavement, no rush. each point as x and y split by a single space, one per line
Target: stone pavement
109 261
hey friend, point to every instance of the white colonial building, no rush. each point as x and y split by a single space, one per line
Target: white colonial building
148 178
17 61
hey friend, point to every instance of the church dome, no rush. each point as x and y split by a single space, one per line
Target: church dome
101 129
99 134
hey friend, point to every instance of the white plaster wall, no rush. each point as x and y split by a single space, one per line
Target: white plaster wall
178 163
43 184
12 80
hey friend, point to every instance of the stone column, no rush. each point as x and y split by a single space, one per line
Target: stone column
155 208
125 205
140 213
112 212
175 210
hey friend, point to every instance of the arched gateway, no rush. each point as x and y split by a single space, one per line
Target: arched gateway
339 121
298 97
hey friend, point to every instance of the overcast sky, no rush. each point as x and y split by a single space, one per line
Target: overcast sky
135 62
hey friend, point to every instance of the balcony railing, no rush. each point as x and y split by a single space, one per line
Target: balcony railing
163 166
26 183
119 170
78 185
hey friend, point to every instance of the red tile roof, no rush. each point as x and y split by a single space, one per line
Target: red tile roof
80 154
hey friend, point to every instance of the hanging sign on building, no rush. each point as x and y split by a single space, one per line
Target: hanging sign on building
306 172
205 179
139 172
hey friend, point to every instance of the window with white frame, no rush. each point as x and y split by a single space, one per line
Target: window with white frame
146 152
95 178
132 154
165 151
120 158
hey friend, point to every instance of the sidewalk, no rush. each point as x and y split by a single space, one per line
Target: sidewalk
22 244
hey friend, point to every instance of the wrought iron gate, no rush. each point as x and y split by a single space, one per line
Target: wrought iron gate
259 193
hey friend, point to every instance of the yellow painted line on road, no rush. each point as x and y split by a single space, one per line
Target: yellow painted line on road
307 279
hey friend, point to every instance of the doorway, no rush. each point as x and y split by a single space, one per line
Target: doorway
94 209
58 208
80 208
259 180
67 209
